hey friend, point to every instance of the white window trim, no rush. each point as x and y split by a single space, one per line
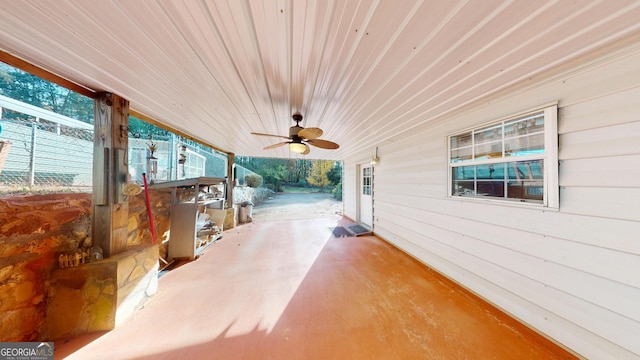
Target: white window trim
551 190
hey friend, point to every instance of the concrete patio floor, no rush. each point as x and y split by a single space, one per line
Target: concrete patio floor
289 289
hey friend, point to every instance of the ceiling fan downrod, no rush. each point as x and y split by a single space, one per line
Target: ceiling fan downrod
297 117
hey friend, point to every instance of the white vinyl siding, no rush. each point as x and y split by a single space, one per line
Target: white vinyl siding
571 273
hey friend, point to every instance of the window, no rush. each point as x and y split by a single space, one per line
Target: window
366 181
515 159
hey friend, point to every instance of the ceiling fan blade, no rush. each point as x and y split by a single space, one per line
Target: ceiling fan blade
276 145
261 134
310 133
308 150
324 144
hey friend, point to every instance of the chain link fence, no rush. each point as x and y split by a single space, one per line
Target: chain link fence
174 157
41 150
42 155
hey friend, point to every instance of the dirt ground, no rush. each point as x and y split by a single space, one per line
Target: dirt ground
297 206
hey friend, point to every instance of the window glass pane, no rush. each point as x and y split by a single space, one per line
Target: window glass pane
524 145
528 125
490 171
491 188
366 181
488 150
464 173
461 154
463 188
489 134
525 170
525 180
461 141
531 191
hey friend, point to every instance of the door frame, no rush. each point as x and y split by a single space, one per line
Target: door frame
359 186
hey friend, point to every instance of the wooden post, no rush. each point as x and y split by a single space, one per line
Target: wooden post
231 160
110 212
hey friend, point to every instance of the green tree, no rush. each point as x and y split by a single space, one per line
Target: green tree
276 172
318 174
335 174
142 129
335 177
298 171
22 86
274 175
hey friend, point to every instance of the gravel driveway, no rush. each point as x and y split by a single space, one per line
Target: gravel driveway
297 206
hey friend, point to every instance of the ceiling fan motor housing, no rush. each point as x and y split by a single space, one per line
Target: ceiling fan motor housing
294 130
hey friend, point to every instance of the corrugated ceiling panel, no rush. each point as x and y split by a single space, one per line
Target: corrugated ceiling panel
364 71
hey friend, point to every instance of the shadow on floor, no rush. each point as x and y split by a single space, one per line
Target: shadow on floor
293 290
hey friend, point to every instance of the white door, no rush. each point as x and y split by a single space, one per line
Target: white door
366 192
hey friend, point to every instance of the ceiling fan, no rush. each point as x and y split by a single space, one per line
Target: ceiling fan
300 138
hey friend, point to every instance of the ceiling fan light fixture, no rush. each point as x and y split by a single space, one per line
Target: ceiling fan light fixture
297 147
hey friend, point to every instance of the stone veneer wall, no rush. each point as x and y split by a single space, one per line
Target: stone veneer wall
139 229
89 298
34 230
246 193
39 301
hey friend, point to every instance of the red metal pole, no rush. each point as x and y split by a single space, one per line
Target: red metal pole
146 195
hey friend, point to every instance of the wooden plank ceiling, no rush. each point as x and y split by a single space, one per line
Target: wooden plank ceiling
364 71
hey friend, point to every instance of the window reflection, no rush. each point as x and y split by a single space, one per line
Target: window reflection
511 180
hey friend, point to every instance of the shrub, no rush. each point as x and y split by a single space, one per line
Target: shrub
277 186
337 192
253 180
